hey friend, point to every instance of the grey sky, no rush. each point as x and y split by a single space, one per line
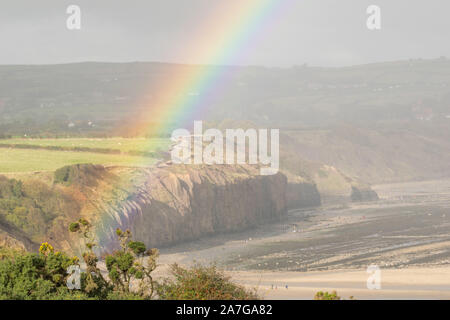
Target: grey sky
317 32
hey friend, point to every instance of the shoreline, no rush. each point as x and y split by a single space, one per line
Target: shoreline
406 233
408 283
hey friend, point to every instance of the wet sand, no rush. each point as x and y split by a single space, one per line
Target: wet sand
406 234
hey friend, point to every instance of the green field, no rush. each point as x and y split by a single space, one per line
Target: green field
122 144
30 160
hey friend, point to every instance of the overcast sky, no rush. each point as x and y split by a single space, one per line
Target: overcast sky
316 32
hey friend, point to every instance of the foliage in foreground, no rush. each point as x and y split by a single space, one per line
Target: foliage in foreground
43 275
29 276
201 283
329 296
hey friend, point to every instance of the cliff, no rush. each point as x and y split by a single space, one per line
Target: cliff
311 184
161 206
302 191
164 206
360 194
302 195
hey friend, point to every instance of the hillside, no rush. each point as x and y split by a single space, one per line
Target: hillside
378 155
340 131
373 123
161 206
100 98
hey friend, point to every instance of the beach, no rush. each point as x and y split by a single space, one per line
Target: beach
407 283
406 234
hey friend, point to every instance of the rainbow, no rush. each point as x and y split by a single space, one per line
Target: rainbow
230 33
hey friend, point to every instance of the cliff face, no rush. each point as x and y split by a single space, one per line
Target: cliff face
161 206
16 241
181 203
360 194
166 205
395 152
302 195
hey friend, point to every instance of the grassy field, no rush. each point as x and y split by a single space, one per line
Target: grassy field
30 160
122 144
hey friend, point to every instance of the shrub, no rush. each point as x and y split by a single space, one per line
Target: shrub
327 296
132 264
74 227
83 174
201 283
44 275
30 276
62 175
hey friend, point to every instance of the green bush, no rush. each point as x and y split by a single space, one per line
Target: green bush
62 175
327 296
83 174
132 264
201 283
31 276
44 276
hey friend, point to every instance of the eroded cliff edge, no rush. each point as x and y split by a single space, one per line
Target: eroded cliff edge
161 206
164 206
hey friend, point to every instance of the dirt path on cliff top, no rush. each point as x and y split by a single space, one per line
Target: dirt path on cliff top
408 228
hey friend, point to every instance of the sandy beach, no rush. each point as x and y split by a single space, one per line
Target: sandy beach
409 283
406 234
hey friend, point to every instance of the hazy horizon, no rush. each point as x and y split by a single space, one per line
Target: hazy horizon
218 65
317 33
